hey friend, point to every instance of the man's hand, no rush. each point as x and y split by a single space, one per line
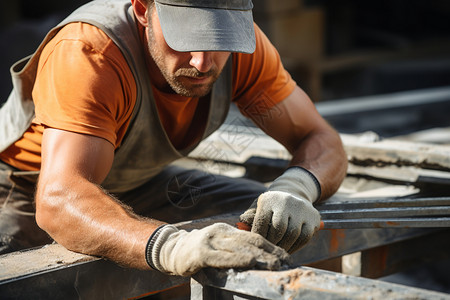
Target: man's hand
284 214
178 252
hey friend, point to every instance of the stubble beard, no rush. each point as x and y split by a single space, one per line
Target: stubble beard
173 79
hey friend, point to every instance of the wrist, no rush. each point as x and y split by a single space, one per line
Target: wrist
298 181
155 243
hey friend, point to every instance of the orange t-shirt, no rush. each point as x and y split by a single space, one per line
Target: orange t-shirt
84 85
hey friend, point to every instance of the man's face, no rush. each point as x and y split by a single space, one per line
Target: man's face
190 74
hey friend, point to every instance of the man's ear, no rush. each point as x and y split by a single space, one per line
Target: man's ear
140 10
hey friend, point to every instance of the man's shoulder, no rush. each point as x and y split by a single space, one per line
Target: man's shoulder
84 33
84 39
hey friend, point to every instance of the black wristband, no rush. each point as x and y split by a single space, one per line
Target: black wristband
314 178
149 246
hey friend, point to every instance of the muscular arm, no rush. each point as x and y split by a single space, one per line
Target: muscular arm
313 143
76 212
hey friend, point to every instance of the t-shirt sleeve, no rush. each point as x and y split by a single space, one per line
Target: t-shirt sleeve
84 85
260 79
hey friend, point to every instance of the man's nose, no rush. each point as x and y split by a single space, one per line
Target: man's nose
202 61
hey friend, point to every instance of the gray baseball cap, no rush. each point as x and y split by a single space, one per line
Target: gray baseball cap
207 25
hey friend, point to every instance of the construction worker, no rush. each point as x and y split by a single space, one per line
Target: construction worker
117 92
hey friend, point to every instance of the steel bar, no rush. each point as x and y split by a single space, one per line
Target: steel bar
386 212
430 212
386 223
384 202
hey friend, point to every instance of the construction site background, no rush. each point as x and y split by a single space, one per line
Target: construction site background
333 49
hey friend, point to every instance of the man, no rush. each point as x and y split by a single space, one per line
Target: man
117 92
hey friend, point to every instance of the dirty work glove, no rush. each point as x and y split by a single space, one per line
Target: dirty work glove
178 252
284 214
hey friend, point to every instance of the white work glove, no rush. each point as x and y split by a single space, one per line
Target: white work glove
179 252
284 214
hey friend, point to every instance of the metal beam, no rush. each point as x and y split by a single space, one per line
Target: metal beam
54 270
386 213
371 223
298 283
335 203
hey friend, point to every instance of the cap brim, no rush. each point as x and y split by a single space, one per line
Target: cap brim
189 29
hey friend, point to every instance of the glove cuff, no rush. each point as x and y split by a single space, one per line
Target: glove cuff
298 181
154 244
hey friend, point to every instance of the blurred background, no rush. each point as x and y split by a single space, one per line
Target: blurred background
335 50
350 48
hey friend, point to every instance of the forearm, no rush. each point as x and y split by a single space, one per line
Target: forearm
82 217
322 153
284 214
312 142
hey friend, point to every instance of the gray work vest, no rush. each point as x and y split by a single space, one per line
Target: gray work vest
146 148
